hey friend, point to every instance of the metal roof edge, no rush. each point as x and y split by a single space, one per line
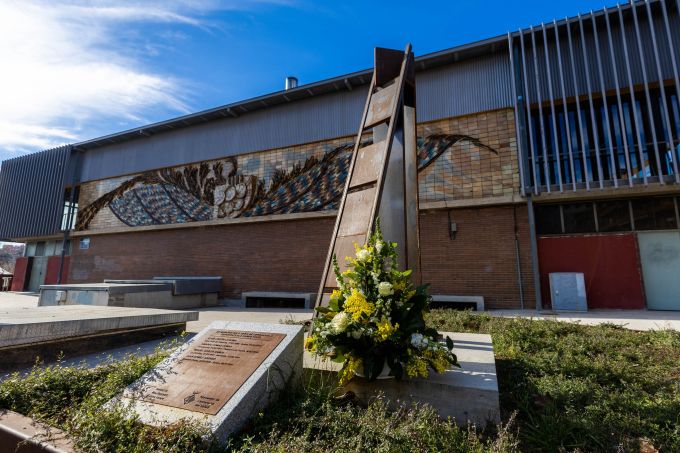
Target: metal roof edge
331 85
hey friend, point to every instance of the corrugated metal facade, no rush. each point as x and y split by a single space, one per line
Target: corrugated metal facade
32 193
478 84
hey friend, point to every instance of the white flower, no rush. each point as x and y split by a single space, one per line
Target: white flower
385 289
340 322
363 255
417 340
379 246
356 334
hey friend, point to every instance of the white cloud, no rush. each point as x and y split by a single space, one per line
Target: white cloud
61 66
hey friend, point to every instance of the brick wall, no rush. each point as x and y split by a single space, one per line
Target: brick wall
289 256
264 256
481 260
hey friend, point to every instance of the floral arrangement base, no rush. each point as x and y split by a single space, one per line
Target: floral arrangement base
374 323
384 374
466 394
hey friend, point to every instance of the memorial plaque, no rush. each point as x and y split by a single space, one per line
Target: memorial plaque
210 371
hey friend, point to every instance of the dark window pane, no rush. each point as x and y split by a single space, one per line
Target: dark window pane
613 216
654 214
40 248
548 219
578 218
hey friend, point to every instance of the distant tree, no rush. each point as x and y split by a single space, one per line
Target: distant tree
9 254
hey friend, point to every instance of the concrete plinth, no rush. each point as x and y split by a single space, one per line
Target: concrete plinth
22 434
209 380
125 293
48 333
467 394
40 324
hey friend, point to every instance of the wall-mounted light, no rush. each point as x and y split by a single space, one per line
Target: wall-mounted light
453 230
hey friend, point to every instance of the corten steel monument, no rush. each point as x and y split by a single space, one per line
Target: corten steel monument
382 180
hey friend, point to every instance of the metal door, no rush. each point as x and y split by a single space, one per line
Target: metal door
38 270
660 259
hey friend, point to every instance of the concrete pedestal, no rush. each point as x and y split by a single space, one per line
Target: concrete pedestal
260 388
135 294
467 394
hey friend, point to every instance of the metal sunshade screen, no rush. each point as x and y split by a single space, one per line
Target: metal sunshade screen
598 99
32 193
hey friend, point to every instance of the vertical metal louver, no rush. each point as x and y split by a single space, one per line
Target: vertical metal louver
597 98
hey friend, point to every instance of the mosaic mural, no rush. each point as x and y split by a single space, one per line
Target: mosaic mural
220 189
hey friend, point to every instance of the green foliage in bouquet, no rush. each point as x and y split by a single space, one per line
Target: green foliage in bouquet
375 318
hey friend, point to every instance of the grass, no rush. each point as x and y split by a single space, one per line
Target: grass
589 388
563 387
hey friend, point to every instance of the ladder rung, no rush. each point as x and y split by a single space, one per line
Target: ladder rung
356 217
324 299
380 107
344 246
369 164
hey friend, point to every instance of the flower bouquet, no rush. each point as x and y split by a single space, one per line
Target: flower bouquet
374 324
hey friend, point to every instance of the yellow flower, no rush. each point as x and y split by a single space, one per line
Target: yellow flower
416 367
310 345
352 364
357 305
399 286
336 294
437 360
386 329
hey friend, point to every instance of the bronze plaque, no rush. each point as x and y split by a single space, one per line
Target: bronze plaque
210 370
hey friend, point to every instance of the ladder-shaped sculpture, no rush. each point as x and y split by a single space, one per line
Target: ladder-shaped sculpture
382 179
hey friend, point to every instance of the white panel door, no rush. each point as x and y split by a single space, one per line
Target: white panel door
660 260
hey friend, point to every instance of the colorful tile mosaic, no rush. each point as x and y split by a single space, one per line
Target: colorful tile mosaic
304 178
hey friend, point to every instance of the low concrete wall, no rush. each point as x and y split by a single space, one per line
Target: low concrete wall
467 394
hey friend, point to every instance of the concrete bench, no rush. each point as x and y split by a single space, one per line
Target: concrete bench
307 300
445 300
181 286
193 285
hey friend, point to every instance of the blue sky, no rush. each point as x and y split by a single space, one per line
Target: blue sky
74 69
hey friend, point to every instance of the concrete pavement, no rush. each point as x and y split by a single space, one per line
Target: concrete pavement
266 315
630 319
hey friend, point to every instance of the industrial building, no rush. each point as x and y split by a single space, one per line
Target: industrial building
549 149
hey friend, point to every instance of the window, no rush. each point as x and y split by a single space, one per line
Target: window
70 211
654 213
548 219
613 216
578 218
592 150
610 216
